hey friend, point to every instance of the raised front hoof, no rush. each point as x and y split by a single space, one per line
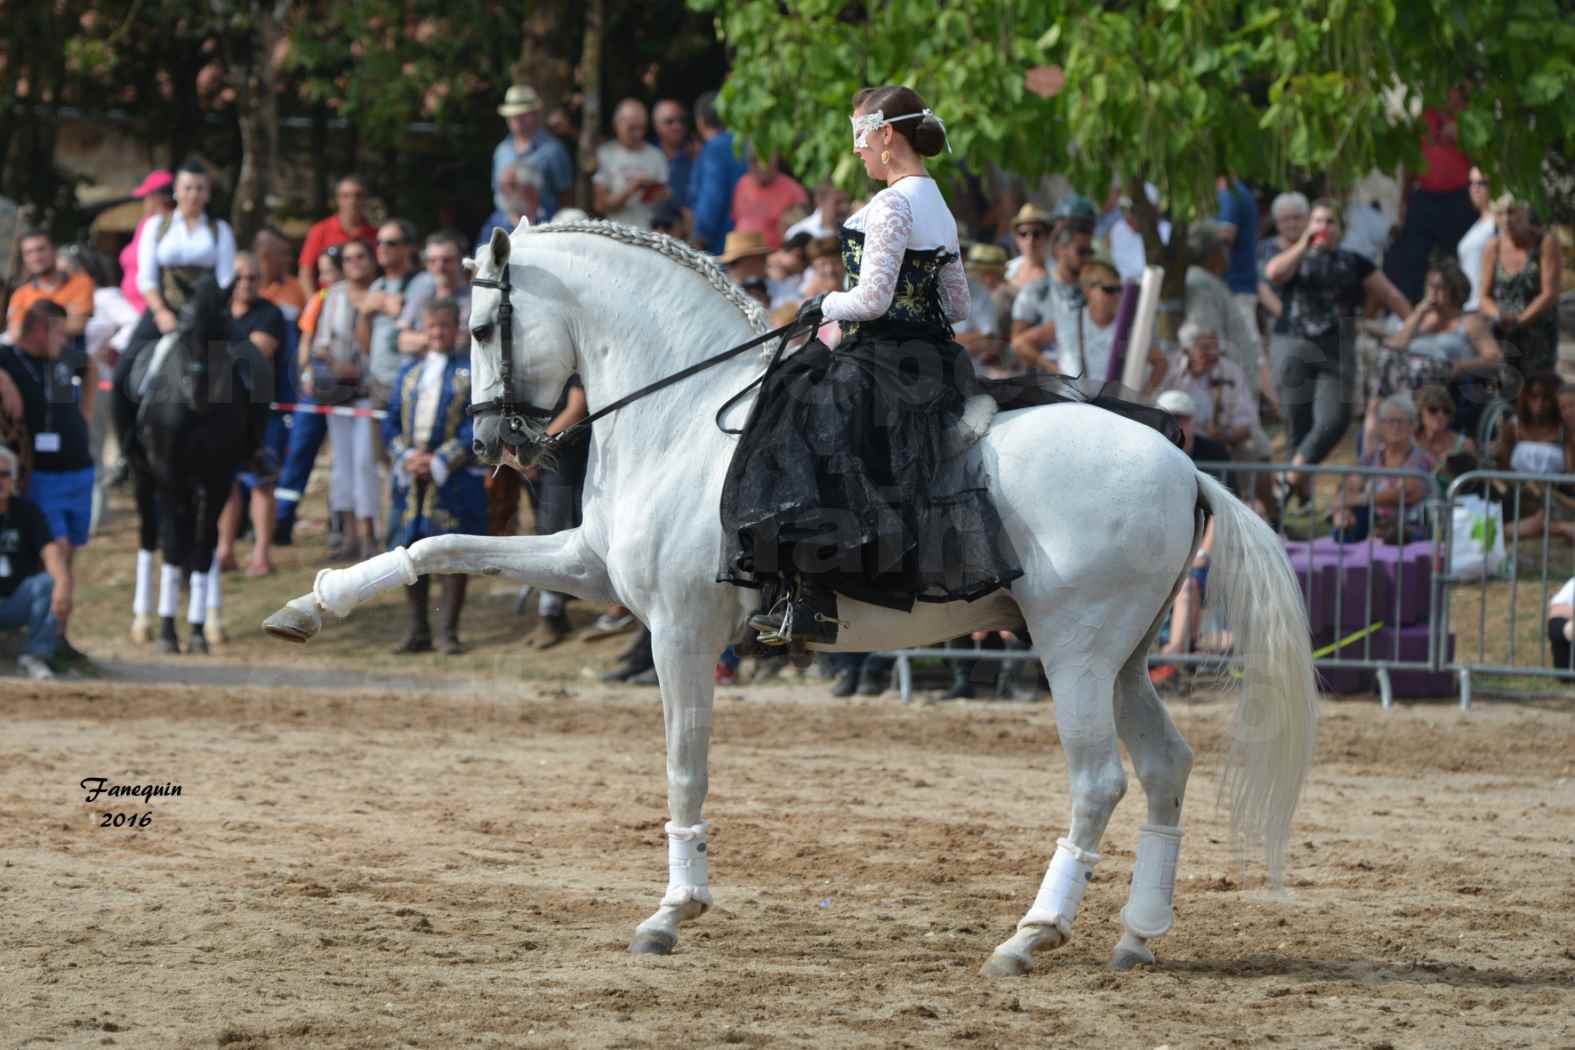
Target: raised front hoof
142 629
1130 954
292 624
1003 965
652 942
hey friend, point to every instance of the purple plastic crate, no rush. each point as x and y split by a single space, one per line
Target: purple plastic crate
1413 646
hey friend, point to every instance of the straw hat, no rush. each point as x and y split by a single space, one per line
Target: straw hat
741 244
521 98
1031 214
986 257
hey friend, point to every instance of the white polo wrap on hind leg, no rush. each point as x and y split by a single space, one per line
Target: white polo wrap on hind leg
1061 892
169 590
197 606
341 590
1148 913
688 869
142 598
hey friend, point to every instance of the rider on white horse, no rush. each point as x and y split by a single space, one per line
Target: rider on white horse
837 483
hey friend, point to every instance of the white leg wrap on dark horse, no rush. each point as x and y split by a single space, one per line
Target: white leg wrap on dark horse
688 869
1061 892
169 590
142 598
1148 912
341 590
197 605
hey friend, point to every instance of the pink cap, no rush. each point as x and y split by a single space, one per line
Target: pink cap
156 180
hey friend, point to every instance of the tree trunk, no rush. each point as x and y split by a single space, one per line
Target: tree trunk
591 82
257 111
1171 255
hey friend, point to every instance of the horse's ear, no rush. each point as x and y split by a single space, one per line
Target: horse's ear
500 247
524 224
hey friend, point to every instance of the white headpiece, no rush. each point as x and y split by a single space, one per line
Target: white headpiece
868 122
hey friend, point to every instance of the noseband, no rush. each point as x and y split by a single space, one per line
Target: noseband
514 431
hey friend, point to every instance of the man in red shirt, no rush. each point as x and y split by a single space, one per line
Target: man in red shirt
761 197
1436 209
347 223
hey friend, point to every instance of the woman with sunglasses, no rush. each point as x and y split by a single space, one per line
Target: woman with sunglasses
833 486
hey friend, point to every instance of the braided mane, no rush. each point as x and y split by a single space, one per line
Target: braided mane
673 249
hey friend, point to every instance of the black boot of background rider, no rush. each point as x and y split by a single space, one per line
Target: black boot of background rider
453 603
419 640
962 671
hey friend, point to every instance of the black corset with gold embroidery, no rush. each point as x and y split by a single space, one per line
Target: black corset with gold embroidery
917 298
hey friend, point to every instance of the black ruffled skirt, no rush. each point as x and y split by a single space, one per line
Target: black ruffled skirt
841 476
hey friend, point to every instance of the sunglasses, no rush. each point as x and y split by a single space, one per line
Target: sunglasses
1031 232
399 242
1085 253
1479 182
1108 289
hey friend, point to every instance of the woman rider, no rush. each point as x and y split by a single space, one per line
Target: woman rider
836 485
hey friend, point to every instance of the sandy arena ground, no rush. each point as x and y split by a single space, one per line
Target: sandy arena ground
465 867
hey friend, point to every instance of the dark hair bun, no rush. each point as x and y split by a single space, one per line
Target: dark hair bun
929 138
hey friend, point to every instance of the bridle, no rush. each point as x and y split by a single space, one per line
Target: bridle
515 431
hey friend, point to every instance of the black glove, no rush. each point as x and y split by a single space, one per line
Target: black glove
809 315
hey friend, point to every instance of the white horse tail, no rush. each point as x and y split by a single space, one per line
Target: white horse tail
1275 726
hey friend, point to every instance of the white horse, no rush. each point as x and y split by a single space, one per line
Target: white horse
1104 513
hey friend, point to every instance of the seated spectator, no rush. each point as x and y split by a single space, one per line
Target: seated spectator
761 197
983 333
35 582
1031 234
1211 303
347 223
47 279
1453 453
436 485
631 174
1085 351
1227 410
1561 626
832 208
826 272
1534 441
744 256
1200 448
1045 312
519 188
1373 504
787 270
758 289
1438 344
1521 269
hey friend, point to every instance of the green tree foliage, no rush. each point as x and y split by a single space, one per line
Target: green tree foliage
1172 91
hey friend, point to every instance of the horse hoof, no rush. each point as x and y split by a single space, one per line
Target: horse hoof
169 645
1003 965
216 634
1131 953
652 942
142 630
293 624
198 645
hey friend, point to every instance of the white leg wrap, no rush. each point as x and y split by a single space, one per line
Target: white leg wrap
215 592
1062 889
169 590
341 590
688 870
197 605
1147 913
142 600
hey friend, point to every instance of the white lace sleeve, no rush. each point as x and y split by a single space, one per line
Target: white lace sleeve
956 300
887 227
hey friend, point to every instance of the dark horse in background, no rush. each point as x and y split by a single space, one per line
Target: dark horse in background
190 409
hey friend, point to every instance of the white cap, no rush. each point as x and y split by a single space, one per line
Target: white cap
1177 403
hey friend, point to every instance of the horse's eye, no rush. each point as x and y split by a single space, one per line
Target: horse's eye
482 332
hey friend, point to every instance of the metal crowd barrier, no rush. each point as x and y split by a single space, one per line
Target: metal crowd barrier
1381 608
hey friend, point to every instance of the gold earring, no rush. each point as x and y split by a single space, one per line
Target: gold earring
885 156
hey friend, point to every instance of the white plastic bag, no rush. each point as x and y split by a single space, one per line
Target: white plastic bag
1476 544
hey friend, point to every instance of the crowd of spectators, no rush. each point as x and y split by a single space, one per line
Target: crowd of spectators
1278 295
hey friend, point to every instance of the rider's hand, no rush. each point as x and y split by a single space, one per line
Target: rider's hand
809 313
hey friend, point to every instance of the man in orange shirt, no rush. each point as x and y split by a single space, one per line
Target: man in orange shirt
761 197
347 223
272 249
45 280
